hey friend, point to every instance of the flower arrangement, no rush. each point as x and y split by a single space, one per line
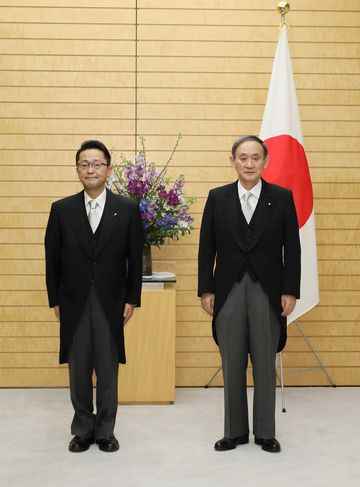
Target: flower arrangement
164 206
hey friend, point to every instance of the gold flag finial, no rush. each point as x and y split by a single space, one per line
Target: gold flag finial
283 8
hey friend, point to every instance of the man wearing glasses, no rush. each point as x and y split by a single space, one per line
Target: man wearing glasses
93 246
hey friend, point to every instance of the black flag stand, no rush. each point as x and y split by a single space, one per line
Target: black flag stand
280 375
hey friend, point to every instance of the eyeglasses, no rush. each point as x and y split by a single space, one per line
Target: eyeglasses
94 165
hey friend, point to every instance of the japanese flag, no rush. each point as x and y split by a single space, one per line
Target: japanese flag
288 166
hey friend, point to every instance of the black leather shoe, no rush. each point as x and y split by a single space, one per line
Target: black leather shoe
231 443
272 445
78 444
108 444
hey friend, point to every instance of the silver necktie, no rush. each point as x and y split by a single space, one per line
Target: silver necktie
93 216
246 206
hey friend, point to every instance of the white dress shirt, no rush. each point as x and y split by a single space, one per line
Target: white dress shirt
255 194
100 200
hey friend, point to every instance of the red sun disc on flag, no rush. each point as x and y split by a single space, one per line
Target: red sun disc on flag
288 167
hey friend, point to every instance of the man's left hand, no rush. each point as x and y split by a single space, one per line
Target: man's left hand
128 312
288 304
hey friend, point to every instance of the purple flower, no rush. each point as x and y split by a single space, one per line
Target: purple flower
162 192
164 209
173 198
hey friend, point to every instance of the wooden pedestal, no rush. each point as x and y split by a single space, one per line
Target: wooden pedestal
149 374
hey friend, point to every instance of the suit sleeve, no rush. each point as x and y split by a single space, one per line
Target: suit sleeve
207 249
292 251
135 245
53 257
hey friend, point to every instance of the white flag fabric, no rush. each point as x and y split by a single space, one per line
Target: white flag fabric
288 166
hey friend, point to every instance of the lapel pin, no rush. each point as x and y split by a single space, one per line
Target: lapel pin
269 204
115 214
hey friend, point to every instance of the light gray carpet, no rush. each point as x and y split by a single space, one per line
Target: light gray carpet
172 445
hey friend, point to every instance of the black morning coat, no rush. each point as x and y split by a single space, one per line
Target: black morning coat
272 254
75 260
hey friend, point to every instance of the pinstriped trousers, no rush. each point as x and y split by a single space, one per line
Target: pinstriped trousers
247 325
93 348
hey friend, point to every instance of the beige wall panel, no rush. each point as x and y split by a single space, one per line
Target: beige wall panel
35 30
22 236
339 283
241 96
243 17
350 267
232 49
326 328
296 5
338 236
29 360
233 128
89 4
69 15
43 188
64 111
77 47
22 267
193 77
24 313
252 33
244 65
19 283
338 252
23 220
41 377
153 111
255 81
66 79
29 329
350 298
170 252
66 95
20 205
23 298
334 313
24 344
323 221
71 127
23 251
86 63
60 142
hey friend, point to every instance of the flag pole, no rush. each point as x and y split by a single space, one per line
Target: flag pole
283 8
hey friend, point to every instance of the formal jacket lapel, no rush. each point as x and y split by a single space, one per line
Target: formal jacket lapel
80 223
264 211
110 219
232 203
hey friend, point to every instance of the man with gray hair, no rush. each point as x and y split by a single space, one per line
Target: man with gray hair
249 280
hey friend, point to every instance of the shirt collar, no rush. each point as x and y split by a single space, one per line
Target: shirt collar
255 191
100 200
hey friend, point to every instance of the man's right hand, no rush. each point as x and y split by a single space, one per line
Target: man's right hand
57 312
207 303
